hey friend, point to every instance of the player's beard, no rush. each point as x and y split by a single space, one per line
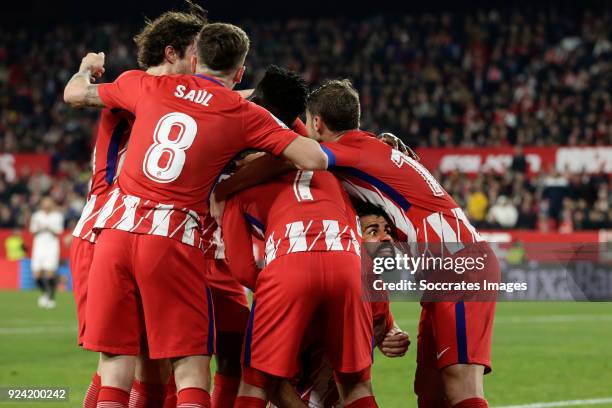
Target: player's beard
385 250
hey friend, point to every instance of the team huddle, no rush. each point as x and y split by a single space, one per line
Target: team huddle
189 175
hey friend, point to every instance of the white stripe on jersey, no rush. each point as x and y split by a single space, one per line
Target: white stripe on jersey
142 218
374 196
445 232
107 209
332 235
85 216
297 236
161 220
301 185
184 210
126 222
218 240
190 228
271 248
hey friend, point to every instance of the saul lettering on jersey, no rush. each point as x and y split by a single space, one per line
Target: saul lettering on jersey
187 128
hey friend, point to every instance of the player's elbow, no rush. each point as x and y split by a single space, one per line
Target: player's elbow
70 96
317 160
306 154
73 95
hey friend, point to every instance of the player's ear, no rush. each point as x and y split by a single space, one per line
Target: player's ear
238 76
170 54
318 124
194 63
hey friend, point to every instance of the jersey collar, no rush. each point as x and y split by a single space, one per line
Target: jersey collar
211 79
355 133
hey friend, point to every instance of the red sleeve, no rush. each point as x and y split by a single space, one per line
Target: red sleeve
341 155
239 244
125 92
263 131
381 315
299 127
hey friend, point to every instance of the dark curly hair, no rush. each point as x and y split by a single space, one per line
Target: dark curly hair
363 208
177 29
282 92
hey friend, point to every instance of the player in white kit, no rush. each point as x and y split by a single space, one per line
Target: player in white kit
46 225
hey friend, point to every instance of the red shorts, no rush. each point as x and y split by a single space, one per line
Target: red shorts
297 289
316 384
455 333
81 256
231 304
148 284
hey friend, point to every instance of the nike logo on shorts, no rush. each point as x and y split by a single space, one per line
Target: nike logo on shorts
441 353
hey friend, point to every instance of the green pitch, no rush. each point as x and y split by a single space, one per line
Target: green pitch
541 352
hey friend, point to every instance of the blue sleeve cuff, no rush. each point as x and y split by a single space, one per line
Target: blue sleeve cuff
331 157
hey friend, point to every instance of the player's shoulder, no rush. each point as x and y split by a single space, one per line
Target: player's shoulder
133 73
361 137
254 111
249 106
368 143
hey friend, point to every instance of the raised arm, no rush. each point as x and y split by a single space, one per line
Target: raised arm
263 131
80 91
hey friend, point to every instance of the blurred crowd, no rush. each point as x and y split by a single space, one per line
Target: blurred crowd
476 79
19 197
486 78
548 202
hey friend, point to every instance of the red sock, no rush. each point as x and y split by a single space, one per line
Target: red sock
144 395
170 401
249 402
111 397
472 403
193 398
91 396
225 391
365 402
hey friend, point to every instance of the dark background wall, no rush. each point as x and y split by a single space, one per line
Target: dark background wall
43 12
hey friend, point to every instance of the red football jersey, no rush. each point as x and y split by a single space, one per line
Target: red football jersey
187 128
419 207
301 211
114 129
212 237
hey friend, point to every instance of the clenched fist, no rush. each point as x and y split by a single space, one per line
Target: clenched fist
94 63
395 343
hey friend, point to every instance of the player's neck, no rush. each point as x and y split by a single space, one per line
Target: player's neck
162 69
334 136
226 80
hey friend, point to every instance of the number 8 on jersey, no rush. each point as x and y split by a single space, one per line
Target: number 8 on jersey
172 152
